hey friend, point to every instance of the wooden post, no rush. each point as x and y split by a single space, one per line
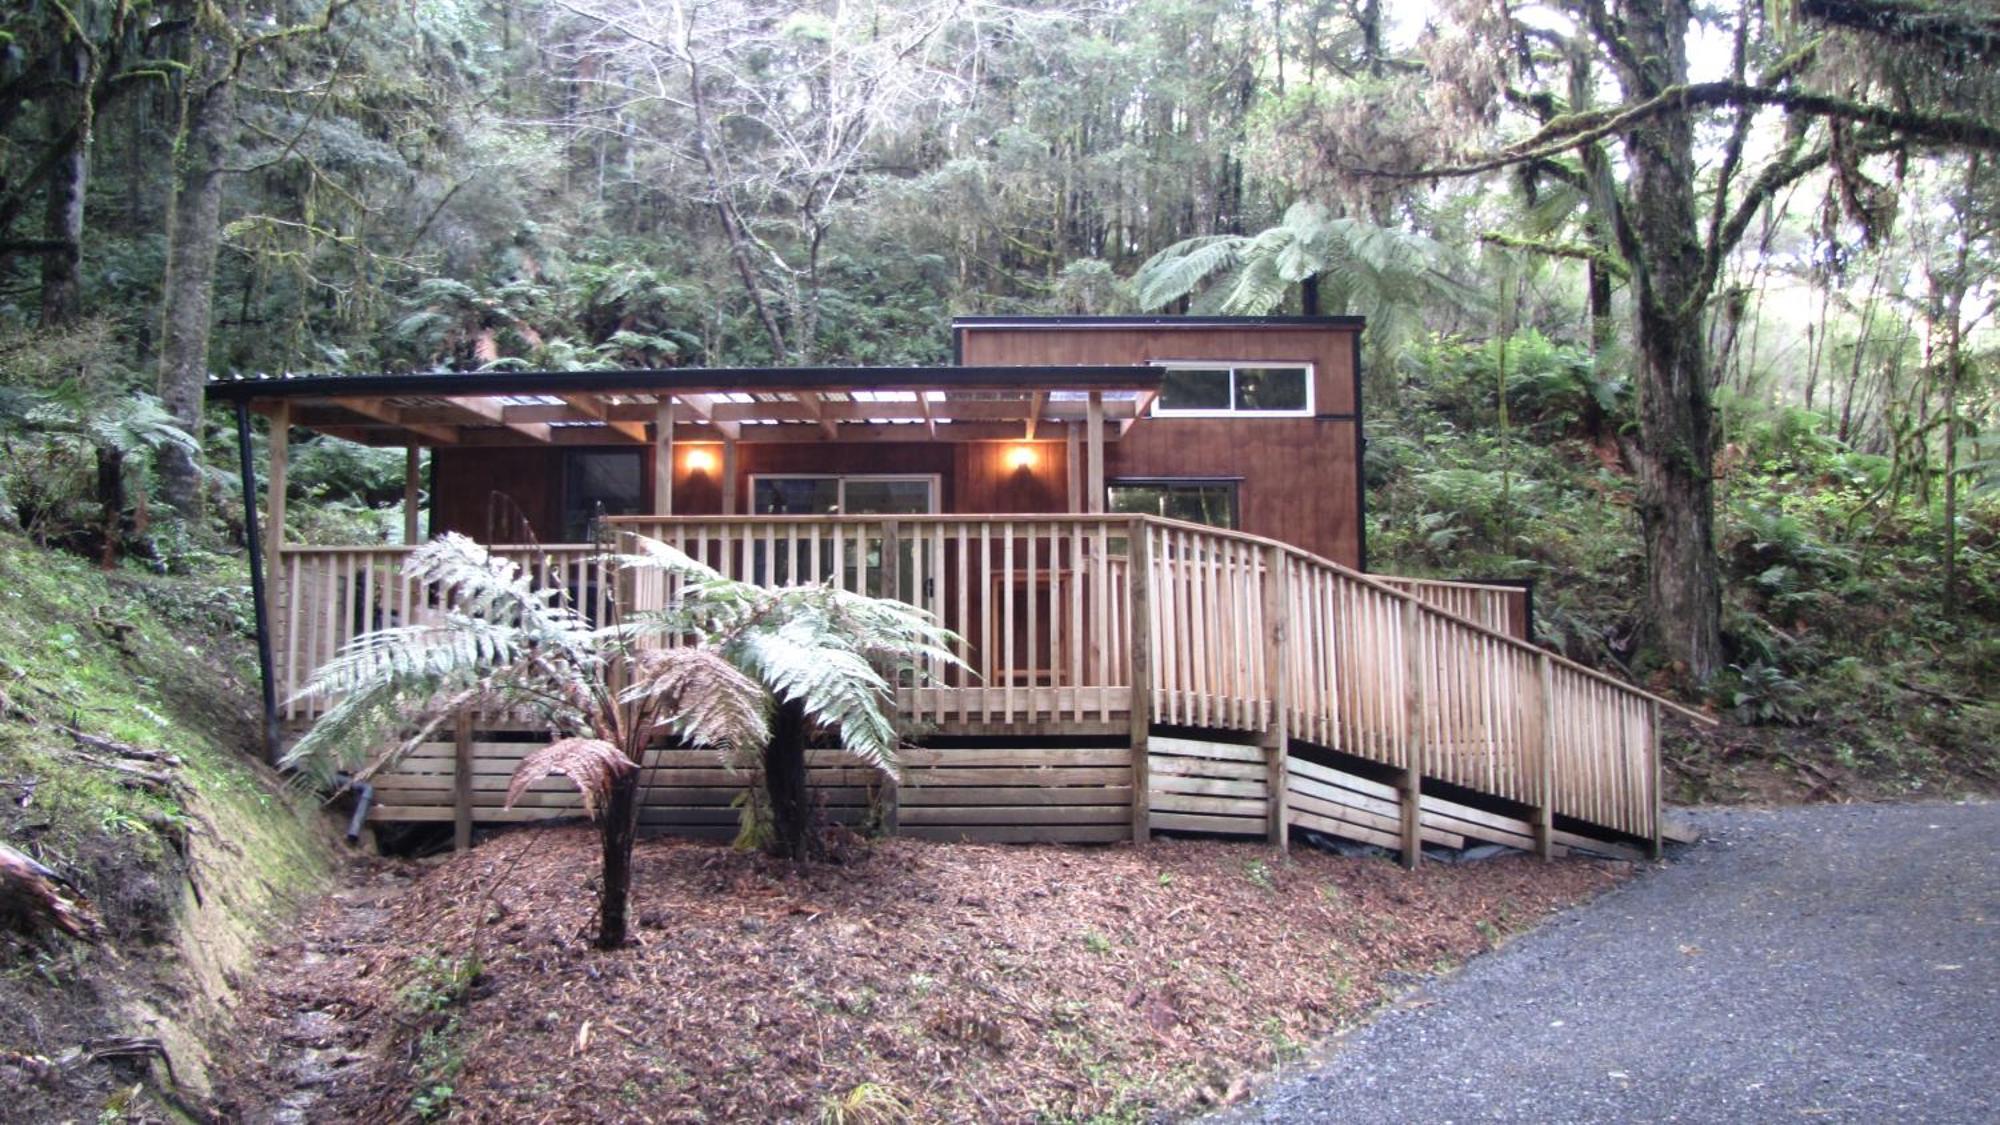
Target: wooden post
892 582
1545 815
413 462
663 456
892 560
1277 663
1139 620
274 513
461 782
1413 741
274 527
728 475
1073 464
1094 437
1656 841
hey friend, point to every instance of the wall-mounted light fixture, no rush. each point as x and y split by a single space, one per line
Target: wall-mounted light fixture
1021 458
699 462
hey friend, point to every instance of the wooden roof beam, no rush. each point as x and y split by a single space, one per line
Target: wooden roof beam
496 413
816 406
600 410
381 411
703 408
1140 408
1041 399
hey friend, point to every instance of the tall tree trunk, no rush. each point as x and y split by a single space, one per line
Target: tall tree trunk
194 235
1674 454
621 814
785 782
1954 360
62 293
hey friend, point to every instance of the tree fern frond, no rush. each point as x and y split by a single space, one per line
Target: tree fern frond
1180 269
891 632
837 686
708 701
410 656
1257 288
592 763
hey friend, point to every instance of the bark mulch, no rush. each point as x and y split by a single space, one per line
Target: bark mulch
921 981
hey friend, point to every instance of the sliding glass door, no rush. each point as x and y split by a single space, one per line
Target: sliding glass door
860 494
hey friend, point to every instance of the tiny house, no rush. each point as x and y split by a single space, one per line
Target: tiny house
1149 533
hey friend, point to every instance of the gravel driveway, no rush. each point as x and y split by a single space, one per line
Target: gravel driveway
1835 963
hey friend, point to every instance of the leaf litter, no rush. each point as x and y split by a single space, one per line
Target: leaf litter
917 980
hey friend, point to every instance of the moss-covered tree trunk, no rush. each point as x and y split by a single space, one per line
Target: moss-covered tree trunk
1674 453
194 236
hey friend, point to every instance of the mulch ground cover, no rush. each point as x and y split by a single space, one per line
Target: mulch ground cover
917 981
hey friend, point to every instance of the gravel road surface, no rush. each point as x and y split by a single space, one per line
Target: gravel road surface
1824 964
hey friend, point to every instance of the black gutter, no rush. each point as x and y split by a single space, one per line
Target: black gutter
690 380
251 532
1160 321
1360 467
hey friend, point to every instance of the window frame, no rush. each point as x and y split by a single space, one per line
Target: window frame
1234 484
934 480
568 479
1232 366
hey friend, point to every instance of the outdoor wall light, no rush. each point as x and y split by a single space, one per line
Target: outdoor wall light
1021 458
700 462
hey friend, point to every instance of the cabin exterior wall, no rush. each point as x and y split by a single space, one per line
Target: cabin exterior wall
974 477
1299 477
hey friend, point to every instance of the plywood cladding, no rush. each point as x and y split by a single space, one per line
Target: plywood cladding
1299 478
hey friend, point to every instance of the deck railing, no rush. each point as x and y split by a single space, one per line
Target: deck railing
1040 602
1239 633
1503 609
324 597
1390 675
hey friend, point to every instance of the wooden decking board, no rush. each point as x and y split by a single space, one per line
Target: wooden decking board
1209 786
1024 834
1215 806
973 815
1225 825
913 797
1198 767
1192 748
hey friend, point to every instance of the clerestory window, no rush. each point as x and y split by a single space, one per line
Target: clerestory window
1208 389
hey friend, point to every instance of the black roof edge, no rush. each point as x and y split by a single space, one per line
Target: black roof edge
1073 377
1160 321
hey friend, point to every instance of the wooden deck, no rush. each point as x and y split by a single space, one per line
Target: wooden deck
1278 689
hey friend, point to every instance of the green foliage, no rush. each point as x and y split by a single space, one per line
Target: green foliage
438 982
1832 607
1382 273
869 1103
73 427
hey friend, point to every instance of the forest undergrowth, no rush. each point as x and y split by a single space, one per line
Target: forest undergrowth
1849 676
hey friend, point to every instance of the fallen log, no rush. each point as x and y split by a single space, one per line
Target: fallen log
35 900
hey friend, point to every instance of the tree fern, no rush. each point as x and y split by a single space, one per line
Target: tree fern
709 668
1374 271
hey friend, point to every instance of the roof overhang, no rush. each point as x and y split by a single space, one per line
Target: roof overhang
761 404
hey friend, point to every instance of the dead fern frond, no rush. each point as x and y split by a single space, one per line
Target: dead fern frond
703 698
592 763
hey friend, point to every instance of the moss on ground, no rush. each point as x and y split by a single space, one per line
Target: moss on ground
188 877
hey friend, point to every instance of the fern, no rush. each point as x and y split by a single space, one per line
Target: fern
594 765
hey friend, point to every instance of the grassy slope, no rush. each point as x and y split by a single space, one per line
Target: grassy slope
186 880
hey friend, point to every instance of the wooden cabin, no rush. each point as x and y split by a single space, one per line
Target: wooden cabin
1148 531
